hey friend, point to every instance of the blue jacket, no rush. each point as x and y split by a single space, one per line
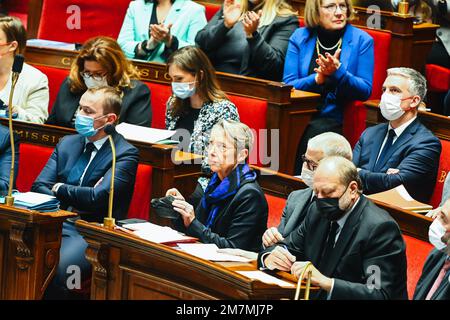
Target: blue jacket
187 17
415 153
5 159
90 201
353 79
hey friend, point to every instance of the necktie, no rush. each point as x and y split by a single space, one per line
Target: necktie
81 164
329 245
439 279
387 146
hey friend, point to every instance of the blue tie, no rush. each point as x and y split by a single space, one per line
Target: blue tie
384 152
77 171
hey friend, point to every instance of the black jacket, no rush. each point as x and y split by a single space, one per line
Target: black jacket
430 272
239 223
5 159
295 210
91 198
265 52
136 107
370 250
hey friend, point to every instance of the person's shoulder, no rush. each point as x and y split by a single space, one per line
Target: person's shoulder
287 19
357 32
303 32
123 146
376 216
137 4
425 133
139 85
299 193
193 6
32 72
369 131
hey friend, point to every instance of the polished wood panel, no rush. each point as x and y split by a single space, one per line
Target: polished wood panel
127 267
29 251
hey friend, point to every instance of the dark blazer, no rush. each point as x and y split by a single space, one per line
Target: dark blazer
295 210
370 239
353 79
430 272
5 159
415 153
265 52
239 223
136 107
90 201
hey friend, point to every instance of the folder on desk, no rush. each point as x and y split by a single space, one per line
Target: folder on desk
400 197
36 201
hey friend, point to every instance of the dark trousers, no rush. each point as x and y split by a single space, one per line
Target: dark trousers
73 268
315 127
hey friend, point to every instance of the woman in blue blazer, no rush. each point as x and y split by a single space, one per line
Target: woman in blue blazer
330 57
153 29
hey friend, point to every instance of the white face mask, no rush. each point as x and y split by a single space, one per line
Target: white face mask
390 106
435 234
94 82
307 176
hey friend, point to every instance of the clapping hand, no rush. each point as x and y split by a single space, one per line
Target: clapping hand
161 33
328 65
251 22
231 13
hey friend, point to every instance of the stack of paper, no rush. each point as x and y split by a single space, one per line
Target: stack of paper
159 234
36 201
144 134
400 197
51 44
210 252
266 278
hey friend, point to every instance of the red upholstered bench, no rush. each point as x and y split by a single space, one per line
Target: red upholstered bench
97 17
55 77
140 203
210 10
444 168
438 78
276 205
33 159
355 113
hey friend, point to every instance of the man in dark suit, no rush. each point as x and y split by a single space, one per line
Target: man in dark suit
356 248
401 151
5 159
323 145
78 174
434 283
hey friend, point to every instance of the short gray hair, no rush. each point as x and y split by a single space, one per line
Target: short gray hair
331 144
238 132
345 169
417 82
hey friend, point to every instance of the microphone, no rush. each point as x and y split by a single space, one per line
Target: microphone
16 70
110 222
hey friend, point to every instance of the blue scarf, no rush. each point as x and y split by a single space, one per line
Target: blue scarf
218 191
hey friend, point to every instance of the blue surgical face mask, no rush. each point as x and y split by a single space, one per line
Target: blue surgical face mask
85 125
183 90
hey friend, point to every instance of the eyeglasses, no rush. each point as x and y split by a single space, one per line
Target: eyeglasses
332 8
309 163
97 76
221 147
5 44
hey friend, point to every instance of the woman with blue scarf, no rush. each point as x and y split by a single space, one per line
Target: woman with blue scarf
233 210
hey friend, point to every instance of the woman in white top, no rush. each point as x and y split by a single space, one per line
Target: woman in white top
31 96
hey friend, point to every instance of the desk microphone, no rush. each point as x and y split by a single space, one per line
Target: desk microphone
16 70
109 222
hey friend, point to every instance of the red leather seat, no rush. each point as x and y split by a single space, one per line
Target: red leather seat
444 168
355 113
159 94
19 9
438 78
97 17
140 203
211 9
32 160
276 205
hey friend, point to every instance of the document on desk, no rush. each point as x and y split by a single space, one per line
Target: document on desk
209 251
143 134
159 234
266 278
51 44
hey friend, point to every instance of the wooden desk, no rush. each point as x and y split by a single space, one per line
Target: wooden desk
29 251
127 268
288 111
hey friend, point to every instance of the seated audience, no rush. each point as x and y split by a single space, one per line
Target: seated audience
401 151
197 103
249 37
101 62
330 57
440 51
5 159
30 101
78 174
233 210
434 283
324 145
344 236
153 29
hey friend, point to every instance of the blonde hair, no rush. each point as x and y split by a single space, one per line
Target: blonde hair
312 12
270 10
107 52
